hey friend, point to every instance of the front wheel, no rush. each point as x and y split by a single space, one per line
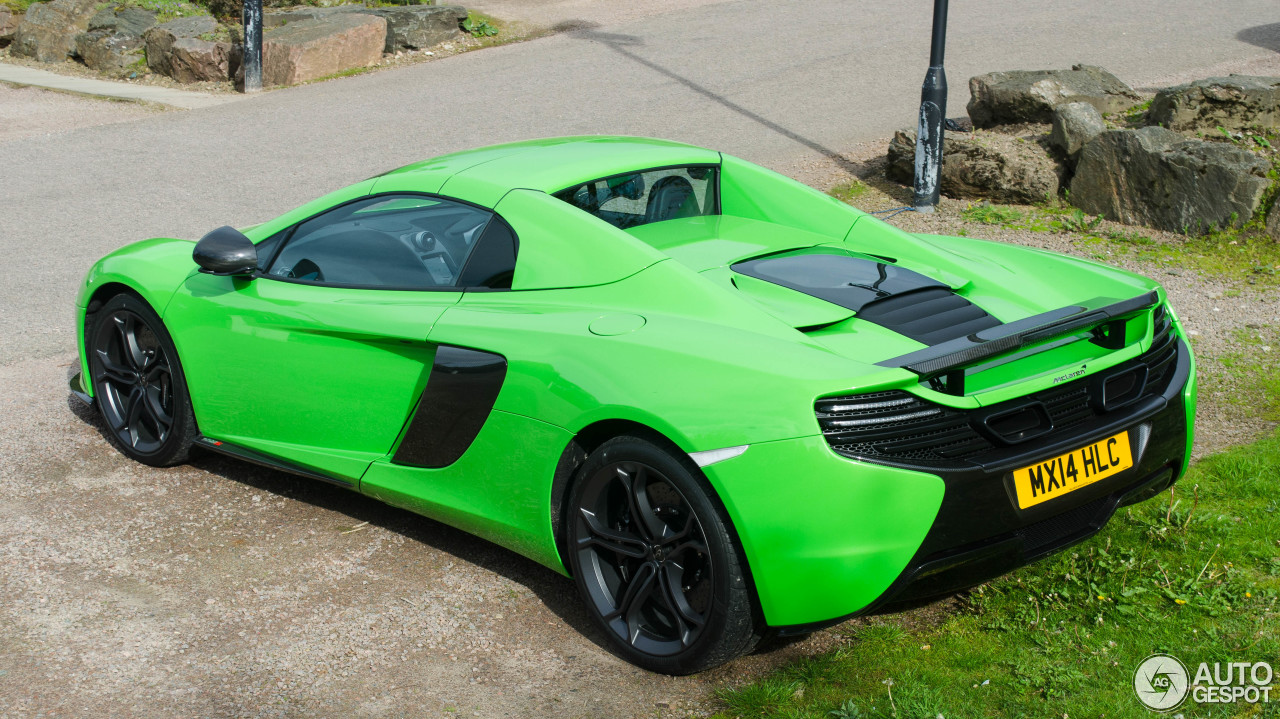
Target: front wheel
138 382
656 561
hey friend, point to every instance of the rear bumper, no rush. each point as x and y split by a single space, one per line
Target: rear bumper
811 571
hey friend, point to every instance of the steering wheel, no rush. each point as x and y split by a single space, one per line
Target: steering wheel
305 270
424 243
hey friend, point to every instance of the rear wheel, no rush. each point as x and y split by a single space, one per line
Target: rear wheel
655 560
138 382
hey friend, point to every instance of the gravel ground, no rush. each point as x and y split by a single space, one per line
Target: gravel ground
30 111
224 589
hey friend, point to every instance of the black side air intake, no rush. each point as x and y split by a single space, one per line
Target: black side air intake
461 389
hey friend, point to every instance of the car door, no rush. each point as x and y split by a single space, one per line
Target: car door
320 357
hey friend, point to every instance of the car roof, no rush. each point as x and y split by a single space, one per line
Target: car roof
484 175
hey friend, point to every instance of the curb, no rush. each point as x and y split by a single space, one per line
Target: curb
183 99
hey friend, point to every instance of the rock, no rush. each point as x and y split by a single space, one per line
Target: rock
114 41
280 19
8 24
1273 219
420 26
175 49
107 51
311 49
1237 102
195 60
129 21
1000 98
1156 177
48 30
412 27
1074 124
985 165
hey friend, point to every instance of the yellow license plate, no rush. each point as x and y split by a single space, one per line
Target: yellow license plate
1065 473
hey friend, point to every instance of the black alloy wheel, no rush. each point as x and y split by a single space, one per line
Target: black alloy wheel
655 561
138 383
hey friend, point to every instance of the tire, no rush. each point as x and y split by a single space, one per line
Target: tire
656 561
138 383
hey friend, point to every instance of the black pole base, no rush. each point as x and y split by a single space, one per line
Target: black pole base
929 136
252 63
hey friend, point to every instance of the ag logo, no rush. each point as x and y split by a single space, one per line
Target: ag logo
1160 682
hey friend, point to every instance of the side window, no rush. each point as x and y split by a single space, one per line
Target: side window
267 248
640 198
389 241
493 263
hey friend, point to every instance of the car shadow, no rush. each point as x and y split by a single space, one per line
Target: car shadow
557 593
1266 37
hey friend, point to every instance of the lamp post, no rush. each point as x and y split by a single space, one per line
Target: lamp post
933 112
252 16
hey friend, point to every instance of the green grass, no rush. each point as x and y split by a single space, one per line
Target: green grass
1136 116
1251 385
349 72
1194 572
17 5
849 191
165 10
988 214
1240 256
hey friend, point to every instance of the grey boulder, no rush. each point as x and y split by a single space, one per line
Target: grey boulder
1075 124
984 165
48 31
1001 98
416 27
1237 102
108 52
129 21
1156 177
114 41
8 24
175 49
409 27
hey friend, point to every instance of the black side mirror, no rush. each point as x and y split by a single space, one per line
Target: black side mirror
226 251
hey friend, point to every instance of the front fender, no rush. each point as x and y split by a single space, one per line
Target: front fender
154 269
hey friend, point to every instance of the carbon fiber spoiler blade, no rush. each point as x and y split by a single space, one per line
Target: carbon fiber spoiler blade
955 354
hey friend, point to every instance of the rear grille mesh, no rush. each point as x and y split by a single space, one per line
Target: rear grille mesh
896 427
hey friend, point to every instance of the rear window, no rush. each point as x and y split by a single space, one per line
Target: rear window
640 198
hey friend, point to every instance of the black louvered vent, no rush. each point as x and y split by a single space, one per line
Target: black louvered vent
896 427
929 316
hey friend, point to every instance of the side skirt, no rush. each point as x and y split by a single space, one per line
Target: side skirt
266 460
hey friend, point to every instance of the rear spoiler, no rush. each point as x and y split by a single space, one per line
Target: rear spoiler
954 355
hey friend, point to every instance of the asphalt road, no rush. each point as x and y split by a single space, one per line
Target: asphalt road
134 591
771 82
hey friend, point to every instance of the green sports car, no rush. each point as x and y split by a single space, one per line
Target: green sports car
722 402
